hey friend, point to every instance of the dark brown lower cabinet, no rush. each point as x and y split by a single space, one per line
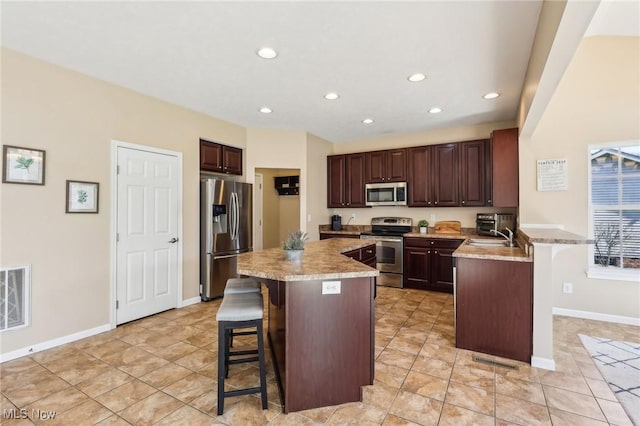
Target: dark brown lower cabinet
428 264
494 307
326 235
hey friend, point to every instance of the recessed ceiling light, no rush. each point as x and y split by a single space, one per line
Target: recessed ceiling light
368 121
414 78
491 95
331 96
267 53
435 110
265 110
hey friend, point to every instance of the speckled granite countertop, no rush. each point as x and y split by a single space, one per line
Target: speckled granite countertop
553 236
321 260
511 254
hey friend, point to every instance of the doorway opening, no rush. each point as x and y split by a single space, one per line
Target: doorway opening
280 213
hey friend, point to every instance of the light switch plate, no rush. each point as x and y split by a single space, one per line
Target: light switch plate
331 287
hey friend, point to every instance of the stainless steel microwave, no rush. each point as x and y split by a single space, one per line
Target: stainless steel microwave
386 194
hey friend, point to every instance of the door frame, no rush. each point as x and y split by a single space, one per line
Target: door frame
115 144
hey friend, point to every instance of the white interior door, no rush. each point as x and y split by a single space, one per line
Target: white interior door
257 214
147 233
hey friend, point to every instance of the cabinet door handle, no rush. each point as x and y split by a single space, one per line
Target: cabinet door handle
435 251
462 201
435 202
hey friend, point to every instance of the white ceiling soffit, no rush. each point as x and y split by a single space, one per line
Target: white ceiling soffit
202 55
616 17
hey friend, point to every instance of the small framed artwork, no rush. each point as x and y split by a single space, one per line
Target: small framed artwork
22 165
82 197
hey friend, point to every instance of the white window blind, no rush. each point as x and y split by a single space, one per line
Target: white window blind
615 206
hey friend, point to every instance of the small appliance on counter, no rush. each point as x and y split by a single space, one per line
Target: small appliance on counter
336 222
488 223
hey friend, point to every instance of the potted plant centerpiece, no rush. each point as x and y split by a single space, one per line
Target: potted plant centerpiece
423 224
294 245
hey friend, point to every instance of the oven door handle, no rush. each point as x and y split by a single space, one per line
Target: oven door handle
386 240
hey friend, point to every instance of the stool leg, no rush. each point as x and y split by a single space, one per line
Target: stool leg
261 363
227 346
222 372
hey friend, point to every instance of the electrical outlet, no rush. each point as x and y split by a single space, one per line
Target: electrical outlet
353 216
567 288
331 287
432 218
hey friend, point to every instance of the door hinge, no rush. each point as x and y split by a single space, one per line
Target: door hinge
117 304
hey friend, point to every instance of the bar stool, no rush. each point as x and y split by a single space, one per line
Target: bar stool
241 286
240 311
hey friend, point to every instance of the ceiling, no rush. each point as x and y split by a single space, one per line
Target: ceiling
202 55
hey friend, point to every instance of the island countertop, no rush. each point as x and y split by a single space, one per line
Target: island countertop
321 260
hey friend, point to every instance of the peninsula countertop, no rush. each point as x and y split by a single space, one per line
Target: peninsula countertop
321 260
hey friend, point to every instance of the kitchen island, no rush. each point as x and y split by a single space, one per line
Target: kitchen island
321 317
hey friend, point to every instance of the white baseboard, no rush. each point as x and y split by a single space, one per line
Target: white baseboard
191 301
29 350
596 316
545 363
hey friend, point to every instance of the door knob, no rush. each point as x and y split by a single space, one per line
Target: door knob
173 240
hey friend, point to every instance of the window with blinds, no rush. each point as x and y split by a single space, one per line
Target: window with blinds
615 206
14 297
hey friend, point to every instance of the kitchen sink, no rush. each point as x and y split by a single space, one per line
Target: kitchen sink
484 242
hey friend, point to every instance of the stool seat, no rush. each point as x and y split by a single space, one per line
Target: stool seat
241 285
240 307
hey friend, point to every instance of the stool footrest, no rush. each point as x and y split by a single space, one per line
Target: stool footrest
251 352
243 333
240 361
242 392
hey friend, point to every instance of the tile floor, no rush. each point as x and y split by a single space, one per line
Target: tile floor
161 370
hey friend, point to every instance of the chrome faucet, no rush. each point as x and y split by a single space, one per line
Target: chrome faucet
509 237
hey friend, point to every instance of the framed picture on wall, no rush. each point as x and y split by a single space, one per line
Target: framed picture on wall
82 197
22 165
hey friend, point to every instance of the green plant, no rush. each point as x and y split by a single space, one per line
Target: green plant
24 163
423 223
295 241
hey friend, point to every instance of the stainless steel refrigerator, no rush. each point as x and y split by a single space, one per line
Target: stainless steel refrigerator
226 231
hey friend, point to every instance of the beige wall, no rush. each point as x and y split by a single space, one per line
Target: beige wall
316 183
597 101
74 118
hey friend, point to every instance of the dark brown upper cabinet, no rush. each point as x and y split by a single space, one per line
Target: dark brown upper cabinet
502 179
218 158
433 176
386 166
472 173
345 180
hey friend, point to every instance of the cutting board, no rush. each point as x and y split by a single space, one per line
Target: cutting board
448 227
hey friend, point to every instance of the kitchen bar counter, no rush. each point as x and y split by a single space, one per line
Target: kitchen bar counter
513 254
321 260
321 317
553 236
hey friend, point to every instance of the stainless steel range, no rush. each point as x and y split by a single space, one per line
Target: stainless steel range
387 233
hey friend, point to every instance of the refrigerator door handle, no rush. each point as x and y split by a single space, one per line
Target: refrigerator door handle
224 257
234 216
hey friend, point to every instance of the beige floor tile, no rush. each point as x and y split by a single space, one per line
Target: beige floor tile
521 389
379 395
601 389
32 385
396 357
125 395
564 418
392 420
104 382
58 402
151 409
87 413
456 416
366 415
475 399
190 387
441 352
246 410
207 402
416 408
573 402
425 385
186 416
570 382
614 413
114 420
165 375
434 367
390 375
175 351
108 348
197 360
521 412
293 419
475 377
